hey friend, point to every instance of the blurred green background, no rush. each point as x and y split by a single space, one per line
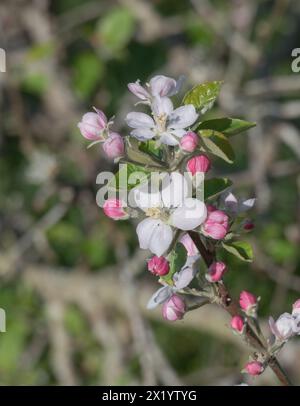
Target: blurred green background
70 278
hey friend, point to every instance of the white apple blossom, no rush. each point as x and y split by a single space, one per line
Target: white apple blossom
167 125
165 210
284 327
159 85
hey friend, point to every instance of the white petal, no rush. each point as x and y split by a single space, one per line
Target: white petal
142 134
145 198
144 232
159 297
246 205
183 117
162 105
179 133
174 190
190 215
161 239
231 202
162 85
184 277
168 139
139 120
154 235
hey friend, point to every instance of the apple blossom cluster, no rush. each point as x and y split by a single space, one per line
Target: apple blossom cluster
185 216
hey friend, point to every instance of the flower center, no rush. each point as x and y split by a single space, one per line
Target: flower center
161 121
153 212
157 213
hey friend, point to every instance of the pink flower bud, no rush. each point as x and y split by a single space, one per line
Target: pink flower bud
198 163
173 309
114 208
237 323
216 224
189 141
248 301
216 271
92 125
210 208
189 245
138 90
248 225
114 146
296 307
158 266
254 368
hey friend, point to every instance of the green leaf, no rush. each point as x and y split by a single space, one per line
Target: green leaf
134 153
203 96
215 186
128 177
241 249
227 126
177 260
218 145
88 70
115 29
35 83
150 148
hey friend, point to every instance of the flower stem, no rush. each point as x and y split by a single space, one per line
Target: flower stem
231 307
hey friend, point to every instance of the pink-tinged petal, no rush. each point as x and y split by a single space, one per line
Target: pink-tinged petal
138 90
215 230
254 368
91 126
182 117
158 266
189 245
142 134
296 308
114 146
174 308
162 86
162 105
190 215
237 323
102 119
174 190
189 141
115 209
139 120
216 271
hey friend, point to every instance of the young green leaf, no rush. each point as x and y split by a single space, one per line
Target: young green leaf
217 144
115 29
151 149
227 126
214 186
177 260
240 249
134 153
203 96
